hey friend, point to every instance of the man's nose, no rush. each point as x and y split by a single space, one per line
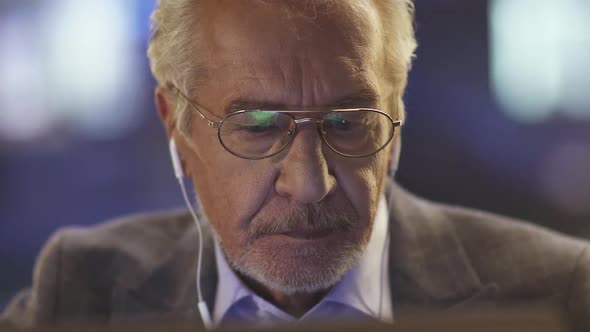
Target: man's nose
304 175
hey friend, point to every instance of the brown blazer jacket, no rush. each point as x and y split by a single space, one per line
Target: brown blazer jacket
441 258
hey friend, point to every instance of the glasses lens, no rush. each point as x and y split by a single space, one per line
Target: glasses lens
357 133
256 134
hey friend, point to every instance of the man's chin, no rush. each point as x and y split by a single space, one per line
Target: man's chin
292 263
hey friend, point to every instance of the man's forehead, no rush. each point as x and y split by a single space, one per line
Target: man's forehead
274 66
281 52
255 27
286 82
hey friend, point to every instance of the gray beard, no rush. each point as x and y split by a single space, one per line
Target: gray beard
306 280
310 269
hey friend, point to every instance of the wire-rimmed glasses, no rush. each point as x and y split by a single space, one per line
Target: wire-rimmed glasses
259 134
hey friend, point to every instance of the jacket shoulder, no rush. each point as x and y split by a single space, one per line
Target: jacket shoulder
527 263
79 266
578 301
120 249
142 236
520 257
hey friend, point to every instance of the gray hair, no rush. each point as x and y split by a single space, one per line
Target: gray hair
172 47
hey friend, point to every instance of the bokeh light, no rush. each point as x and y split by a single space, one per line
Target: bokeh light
23 114
539 58
70 65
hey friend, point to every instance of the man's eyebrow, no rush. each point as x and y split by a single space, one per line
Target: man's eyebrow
243 104
361 98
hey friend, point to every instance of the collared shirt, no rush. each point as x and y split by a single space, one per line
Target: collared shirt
362 294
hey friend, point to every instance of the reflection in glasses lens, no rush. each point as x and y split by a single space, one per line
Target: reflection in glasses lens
351 133
357 134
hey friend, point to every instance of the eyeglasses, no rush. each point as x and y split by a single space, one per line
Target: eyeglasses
259 134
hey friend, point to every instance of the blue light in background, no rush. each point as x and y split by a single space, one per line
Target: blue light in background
72 65
539 53
90 63
23 114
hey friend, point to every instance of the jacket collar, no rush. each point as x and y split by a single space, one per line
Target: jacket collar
428 268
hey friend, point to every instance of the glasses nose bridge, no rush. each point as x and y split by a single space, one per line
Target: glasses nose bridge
306 120
302 121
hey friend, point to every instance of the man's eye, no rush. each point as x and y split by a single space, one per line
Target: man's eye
338 124
260 122
261 128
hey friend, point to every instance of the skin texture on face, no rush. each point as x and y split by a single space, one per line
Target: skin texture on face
291 225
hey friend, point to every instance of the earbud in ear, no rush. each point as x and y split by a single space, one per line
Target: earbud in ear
176 164
394 163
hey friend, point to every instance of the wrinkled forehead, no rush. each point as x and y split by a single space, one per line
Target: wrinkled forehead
289 27
241 33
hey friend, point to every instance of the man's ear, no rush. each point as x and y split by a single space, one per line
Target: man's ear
165 109
164 106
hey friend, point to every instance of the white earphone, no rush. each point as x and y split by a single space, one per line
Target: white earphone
176 164
179 173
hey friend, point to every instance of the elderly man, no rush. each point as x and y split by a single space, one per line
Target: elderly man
286 116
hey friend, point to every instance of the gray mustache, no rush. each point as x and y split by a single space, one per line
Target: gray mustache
313 216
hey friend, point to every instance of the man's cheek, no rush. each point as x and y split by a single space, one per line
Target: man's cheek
248 197
361 188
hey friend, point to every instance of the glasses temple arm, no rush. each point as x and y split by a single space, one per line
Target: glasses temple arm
212 123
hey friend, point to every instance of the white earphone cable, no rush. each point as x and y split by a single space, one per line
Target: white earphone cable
202 306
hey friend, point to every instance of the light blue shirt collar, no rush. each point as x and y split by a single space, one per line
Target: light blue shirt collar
363 292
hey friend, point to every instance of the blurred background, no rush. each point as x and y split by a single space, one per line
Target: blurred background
498 116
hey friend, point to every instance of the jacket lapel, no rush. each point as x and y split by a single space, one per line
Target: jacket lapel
429 269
